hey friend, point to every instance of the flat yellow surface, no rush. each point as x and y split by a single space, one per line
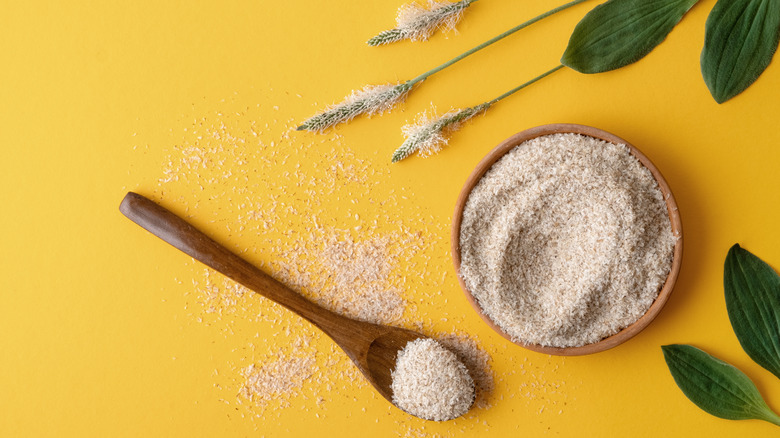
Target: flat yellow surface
107 331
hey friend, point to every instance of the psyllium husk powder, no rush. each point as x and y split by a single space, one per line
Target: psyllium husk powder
565 240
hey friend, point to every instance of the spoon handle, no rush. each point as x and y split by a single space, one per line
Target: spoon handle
179 233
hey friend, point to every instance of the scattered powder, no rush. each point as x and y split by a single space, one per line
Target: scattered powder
294 221
430 382
352 277
284 374
217 292
565 240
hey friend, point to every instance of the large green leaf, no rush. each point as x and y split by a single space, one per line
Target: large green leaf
620 32
753 301
715 386
741 38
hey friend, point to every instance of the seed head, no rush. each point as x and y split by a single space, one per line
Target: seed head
417 22
429 134
372 99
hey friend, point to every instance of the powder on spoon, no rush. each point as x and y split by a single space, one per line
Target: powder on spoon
430 382
565 240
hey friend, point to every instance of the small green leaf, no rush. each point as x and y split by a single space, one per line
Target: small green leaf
753 301
621 32
715 386
741 37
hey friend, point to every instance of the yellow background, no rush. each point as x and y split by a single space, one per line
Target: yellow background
100 330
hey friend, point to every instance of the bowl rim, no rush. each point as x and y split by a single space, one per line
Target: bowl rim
671 206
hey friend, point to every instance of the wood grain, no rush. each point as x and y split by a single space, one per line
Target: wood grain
671 207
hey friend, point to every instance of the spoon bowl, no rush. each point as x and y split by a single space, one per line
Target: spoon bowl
381 356
372 347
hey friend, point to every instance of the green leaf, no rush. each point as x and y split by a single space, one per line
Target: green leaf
715 386
741 37
753 301
621 32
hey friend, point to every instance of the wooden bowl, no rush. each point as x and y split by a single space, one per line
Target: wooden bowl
671 206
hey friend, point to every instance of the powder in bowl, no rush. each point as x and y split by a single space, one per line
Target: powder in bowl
565 241
430 382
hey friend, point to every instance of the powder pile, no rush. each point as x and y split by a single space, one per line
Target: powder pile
476 360
565 240
430 382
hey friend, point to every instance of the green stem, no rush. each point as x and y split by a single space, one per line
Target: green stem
493 40
770 417
520 87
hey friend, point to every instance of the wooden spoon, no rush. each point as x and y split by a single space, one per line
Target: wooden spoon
372 347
